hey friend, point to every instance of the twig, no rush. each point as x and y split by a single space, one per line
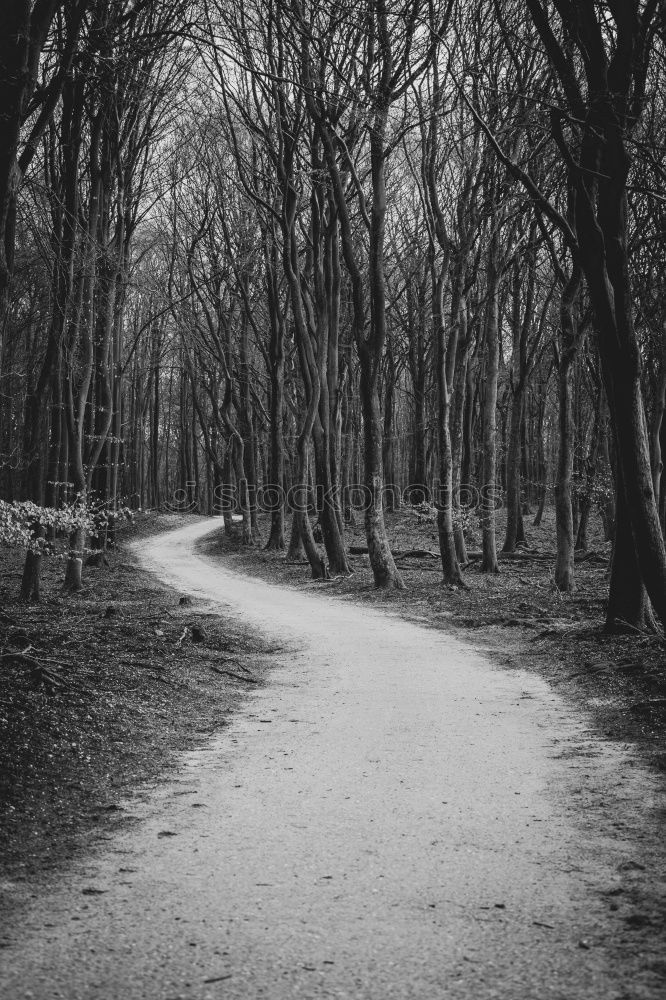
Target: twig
419 569
230 673
649 703
40 674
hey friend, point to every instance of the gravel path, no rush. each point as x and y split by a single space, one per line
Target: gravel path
390 817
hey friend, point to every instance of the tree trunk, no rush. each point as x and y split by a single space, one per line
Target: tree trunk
369 347
604 244
302 517
628 604
296 551
73 582
657 423
383 567
451 573
370 352
489 562
570 342
564 562
634 462
388 457
458 409
32 569
246 423
591 463
274 494
542 464
513 499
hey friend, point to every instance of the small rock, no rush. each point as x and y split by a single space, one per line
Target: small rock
185 601
638 920
197 633
632 866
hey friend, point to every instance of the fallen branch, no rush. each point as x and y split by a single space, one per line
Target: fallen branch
650 703
419 569
362 550
589 671
144 665
527 555
519 556
40 674
230 673
416 554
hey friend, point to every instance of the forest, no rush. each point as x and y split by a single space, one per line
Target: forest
304 264
333 499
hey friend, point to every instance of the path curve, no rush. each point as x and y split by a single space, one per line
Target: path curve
390 817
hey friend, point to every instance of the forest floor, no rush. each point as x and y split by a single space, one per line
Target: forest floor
518 616
133 674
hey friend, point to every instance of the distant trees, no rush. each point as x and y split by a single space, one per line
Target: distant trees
31 85
86 138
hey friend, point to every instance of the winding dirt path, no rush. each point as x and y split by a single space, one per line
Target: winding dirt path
390 817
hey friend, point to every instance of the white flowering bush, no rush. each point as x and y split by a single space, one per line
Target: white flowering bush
26 525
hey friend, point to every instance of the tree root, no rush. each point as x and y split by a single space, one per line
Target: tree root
455 582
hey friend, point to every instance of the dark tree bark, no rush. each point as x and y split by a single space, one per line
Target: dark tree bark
24 28
604 92
489 563
276 540
444 369
569 345
457 411
522 366
591 468
629 607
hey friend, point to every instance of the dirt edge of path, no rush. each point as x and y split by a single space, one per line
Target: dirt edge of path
141 672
